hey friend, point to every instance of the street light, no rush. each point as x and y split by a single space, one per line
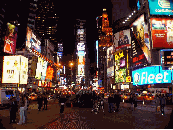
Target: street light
71 64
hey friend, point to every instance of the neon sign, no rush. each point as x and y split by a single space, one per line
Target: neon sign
49 73
151 75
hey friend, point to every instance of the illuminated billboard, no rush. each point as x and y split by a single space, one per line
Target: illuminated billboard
33 66
13 67
32 41
110 62
120 75
122 39
44 68
81 70
24 70
120 68
140 42
10 39
81 60
81 53
80 31
49 73
39 68
81 47
162 32
151 75
161 7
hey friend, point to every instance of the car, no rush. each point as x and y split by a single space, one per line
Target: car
69 92
32 97
146 97
125 96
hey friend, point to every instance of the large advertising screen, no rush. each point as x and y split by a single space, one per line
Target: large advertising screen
122 40
11 68
10 39
81 53
81 70
151 75
162 32
110 62
24 70
32 41
161 7
120 69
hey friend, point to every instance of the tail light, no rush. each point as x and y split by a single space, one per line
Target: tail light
146 96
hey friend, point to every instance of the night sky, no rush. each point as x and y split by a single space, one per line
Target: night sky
68 11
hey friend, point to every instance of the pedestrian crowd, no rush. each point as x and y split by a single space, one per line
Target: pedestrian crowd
19 105
160 102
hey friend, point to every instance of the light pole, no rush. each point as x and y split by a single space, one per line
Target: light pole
71 64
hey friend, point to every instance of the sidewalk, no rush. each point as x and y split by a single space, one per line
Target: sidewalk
168 108
35 118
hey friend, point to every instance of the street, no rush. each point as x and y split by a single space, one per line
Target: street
144 117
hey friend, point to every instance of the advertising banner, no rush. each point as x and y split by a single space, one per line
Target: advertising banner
11 68
162 32
32 41
151 75
10 39
166 56
140 36
81 70
120 69
161 7
110 62
122 40
24 70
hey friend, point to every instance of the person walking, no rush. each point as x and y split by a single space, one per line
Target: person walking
162 103
110 102
131 100
45 102
13 109
54 97
40 101
118 100
62 103
157 102
135 101
21 110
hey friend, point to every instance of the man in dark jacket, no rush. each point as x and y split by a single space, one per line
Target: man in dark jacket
62 103
110 101
118 100
13 110
40 102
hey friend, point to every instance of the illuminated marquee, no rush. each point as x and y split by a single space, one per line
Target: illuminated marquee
49 73
81 47
151 75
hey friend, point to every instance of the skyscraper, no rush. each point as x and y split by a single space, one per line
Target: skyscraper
80 33
46 21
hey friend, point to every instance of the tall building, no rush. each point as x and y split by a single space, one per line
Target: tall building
104 42
46 21
80 33
32 14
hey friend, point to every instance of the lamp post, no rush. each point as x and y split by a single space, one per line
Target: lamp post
71 64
